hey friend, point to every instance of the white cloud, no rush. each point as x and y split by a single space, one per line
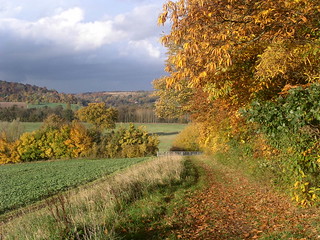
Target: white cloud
145 46
66 29
56 44
7 9
69 30
140 23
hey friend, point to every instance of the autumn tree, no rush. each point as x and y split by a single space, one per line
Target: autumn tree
172 102
98 115
239 50
53 121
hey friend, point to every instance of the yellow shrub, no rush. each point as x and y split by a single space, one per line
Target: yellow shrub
8 151
187 139
79 143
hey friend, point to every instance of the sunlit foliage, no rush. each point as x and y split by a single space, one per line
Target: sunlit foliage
99 115
236 49
229 53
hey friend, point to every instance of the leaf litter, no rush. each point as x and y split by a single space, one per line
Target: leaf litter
232 206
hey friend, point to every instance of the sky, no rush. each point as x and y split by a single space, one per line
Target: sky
77 46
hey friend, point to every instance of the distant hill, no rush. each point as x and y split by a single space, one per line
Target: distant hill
132 106
119 98
19 92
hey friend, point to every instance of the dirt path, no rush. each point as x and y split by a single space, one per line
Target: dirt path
233 207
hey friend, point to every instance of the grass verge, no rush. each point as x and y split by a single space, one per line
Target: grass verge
114 208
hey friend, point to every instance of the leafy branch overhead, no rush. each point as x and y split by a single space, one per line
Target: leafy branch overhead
237 49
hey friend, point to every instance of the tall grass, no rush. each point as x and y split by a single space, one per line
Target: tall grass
93 212
12 130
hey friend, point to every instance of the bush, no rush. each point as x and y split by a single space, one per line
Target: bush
291 124
187 139
57 139
131 142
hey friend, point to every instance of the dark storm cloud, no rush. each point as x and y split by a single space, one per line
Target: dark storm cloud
82 72
66 53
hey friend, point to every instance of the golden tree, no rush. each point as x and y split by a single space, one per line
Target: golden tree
99 115
240 49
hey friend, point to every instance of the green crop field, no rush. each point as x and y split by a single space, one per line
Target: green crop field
31 126
53 105
22 184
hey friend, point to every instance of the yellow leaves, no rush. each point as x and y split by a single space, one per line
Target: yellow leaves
186 45
8 152
168 69
99 115
304 19
211 66
266 12
169 82
204 74
162 18
79 142
304 193
250 47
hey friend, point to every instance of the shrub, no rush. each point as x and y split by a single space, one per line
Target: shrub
131 142
57 139
79 142
291 124
187 139
8 150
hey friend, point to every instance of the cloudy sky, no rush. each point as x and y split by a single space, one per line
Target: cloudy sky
81 45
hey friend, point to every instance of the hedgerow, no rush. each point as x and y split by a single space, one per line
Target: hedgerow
60 140
291 124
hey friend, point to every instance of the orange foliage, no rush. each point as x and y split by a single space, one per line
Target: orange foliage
79 143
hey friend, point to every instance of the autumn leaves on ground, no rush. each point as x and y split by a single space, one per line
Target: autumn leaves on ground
232 206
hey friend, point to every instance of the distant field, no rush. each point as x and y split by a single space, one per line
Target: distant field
160 128
22 184
166 131
31 126
53 105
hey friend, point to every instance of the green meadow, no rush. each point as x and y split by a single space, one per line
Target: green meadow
53 105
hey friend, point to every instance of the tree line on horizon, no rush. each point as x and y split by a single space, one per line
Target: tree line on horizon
137 106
